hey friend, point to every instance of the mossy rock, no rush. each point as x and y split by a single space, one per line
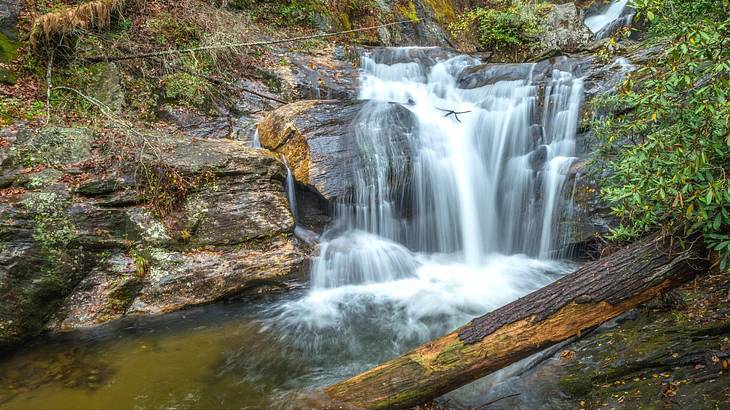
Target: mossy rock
576 385
38 180
8 52
106 86
51 146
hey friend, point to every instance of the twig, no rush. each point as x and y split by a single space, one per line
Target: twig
221 82
49 86
95 59
499 399
109 113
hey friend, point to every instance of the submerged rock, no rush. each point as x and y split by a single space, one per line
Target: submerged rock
84 248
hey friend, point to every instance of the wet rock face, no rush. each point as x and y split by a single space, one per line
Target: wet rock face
329 73
490 73
317 140
585 216
84 248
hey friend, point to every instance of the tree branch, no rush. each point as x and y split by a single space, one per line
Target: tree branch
96 59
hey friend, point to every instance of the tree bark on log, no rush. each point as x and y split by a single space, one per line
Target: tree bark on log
595 293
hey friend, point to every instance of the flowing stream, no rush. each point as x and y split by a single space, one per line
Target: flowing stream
446 222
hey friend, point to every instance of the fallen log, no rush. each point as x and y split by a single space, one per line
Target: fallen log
593 294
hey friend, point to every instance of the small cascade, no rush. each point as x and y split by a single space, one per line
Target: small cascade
307 236
291 192
616 16
255 141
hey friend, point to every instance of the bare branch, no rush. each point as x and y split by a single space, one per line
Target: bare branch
95 59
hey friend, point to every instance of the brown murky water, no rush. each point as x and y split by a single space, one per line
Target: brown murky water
212 357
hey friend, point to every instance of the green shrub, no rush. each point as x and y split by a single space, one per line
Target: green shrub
505 26
283 13
187 89
669 148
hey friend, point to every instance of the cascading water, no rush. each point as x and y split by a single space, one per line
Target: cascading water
255 141
291 193
614 17
447 222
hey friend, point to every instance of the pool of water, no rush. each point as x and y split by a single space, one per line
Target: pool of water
209 357
258 353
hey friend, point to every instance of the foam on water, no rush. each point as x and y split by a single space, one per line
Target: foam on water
440 293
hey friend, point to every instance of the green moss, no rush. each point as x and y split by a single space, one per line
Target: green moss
443 10
8 48
409 11
8 52
576 385
187 89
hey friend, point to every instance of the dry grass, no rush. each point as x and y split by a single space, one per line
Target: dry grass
57 25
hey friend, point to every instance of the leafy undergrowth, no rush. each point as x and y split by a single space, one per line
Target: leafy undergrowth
668 145
508 28
141 27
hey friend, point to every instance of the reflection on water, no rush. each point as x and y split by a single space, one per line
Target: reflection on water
210 357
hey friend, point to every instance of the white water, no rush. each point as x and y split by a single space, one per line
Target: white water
447 222
255 141
604 24
291 192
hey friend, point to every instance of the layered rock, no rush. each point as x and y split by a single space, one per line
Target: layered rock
78 249
317 139
425 21
327 73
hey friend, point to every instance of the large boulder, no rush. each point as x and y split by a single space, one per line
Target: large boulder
329 72
565 30
318 142
81 245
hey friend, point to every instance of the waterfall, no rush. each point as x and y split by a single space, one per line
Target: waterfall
454 218
291 192
255 141
610 20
